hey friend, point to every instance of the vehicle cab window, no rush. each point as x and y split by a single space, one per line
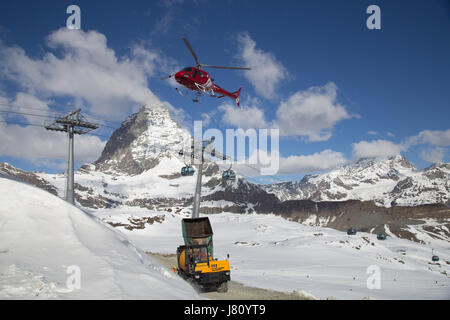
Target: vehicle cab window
200 254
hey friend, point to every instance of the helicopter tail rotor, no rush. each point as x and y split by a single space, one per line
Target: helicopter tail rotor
235 95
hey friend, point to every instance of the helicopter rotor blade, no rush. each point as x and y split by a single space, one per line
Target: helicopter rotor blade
222 67
188 45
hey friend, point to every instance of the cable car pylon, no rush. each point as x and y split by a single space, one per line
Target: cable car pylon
198 187
71 123
189 170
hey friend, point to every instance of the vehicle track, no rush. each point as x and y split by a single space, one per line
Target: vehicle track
236 290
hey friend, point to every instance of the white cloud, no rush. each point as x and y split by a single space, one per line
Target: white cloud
164 24
433 155
28 105
33 142
170 3
80 66
433 137
154 62
311 113
85 69
295 164
438 139
384 148
376 148
266 71
244 117
38 144
320 161
206 118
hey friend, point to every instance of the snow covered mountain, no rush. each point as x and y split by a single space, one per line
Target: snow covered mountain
142 140
52 250
387 182
140 168
289 190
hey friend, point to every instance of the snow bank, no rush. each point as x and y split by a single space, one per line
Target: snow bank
45 244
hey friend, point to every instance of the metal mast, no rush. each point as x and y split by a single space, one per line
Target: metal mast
198 186
71 123
198 192
205 144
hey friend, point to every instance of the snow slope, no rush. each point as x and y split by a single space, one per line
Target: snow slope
41 237
270 252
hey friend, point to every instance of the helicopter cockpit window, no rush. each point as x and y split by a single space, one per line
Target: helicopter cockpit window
200 74
188 69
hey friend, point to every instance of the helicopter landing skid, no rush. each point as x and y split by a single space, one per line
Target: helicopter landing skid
206 89
196 99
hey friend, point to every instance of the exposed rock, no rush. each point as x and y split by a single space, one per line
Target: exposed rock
137 223
96 202
28 177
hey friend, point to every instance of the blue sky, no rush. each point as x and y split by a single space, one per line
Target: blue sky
336 89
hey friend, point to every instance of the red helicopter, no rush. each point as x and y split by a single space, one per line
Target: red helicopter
198 80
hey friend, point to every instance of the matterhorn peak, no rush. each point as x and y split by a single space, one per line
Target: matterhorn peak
141 141
399 159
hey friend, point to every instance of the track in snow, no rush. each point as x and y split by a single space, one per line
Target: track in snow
236 290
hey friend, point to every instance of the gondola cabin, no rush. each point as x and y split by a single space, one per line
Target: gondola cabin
351 232
187 171
229 175
381 236
435 258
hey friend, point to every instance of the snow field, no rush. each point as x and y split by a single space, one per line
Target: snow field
267 251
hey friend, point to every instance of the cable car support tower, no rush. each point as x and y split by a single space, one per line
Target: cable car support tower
72 123
206 146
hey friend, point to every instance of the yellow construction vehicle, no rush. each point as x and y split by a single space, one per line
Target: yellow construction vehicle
195 258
